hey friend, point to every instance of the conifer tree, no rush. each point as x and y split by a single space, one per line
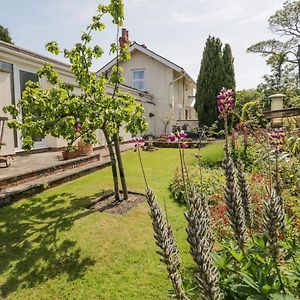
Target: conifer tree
228 68
217 71
209 82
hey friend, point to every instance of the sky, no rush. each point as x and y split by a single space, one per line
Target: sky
175 29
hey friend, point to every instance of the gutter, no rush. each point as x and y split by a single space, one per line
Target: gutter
33 57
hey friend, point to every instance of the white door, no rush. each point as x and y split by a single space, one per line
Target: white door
22 77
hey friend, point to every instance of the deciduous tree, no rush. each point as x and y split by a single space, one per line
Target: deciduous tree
61 111
5 35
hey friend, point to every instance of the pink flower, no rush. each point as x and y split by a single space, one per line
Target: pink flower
172 137
225 101
138 143
277 138
77 126
181 134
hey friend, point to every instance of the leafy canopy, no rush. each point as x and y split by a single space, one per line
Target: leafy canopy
62 110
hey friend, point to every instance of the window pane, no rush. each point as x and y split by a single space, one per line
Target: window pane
135 85
24 77
141 85
138 75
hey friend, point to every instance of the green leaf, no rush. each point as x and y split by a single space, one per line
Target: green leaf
249 281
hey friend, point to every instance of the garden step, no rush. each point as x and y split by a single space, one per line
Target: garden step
36 173
14 193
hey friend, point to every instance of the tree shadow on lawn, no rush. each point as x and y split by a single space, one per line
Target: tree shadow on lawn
33 247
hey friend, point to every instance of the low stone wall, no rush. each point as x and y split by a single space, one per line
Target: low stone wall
193 144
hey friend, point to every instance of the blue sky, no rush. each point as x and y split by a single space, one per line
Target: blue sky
175 29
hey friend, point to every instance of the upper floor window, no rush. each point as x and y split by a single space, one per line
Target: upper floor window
138 79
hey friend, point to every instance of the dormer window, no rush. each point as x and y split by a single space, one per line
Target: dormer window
138 79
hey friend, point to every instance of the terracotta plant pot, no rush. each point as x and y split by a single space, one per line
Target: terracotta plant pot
85 149
70 154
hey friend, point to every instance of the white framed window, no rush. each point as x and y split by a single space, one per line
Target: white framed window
138 79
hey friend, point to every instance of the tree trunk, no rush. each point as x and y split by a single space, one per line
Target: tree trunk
113 166
121 168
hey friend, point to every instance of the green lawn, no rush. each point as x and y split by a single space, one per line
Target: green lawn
52 247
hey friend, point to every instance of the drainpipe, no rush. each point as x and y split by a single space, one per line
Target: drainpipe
183 94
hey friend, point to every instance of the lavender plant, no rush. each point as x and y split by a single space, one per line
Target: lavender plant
245 194
233 201
200 239
240 269
165 240
272 223
277 140
164 237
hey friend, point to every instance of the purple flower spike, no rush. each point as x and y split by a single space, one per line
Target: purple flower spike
277 138
225 101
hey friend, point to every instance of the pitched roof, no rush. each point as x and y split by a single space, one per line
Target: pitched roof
30 55
143 49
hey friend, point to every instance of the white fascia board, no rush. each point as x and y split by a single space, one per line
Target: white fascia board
16 53
146 51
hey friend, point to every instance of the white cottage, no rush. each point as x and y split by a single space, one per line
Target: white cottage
171 87
17 66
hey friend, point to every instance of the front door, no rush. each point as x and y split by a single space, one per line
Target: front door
24 77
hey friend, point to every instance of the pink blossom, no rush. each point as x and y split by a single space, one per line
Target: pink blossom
77 126
277 138
181 134
172 137
138 143
225 101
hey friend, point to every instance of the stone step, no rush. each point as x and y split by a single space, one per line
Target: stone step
42 172
29 188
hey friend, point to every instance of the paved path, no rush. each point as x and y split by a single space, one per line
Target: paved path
33 162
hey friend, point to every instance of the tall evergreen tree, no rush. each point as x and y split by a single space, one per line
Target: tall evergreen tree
228 68
209 82
4 35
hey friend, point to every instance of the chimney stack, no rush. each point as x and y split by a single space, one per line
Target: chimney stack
124 39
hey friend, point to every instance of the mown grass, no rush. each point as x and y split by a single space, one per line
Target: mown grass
52 247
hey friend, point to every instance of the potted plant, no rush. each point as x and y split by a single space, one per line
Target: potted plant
85 148
70 152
